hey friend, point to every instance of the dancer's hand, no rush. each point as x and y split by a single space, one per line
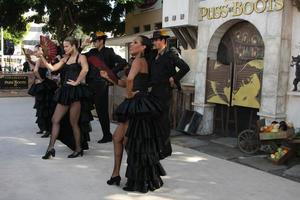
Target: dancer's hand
73 83
172 82
37 81
104 75
132 94
85 43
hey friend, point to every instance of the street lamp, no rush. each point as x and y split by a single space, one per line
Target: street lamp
2 48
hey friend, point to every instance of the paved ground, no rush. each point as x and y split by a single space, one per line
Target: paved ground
226 148
191 174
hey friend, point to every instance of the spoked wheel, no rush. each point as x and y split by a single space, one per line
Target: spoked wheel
269 146
248 141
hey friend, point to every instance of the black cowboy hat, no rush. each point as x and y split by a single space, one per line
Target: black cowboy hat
160 34
99 35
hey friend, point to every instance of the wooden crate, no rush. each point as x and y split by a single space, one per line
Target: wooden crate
276 135
284 158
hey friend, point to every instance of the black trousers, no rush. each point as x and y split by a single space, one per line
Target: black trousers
100 98
164 94
296 81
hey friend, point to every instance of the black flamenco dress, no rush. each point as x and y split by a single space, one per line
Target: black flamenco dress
66 95
144 170
44 104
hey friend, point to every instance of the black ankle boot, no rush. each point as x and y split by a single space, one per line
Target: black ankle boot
129 186
75 154
49 153
114 180
144 188
295 88
45 135
128 189
105 139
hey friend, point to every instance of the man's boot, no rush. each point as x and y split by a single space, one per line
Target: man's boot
295 87
295 83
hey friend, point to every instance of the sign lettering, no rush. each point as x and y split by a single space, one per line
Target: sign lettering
237 8
14 82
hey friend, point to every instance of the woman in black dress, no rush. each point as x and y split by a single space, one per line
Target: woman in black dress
70 98
43 90
143 132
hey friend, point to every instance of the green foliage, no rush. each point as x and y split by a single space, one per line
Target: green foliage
15 36
11 17
12 20
63 17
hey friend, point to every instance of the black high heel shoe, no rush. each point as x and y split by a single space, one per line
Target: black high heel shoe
76 154
49 153
114 180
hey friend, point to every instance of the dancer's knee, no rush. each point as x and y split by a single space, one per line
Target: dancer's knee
117 138
74 123
55 121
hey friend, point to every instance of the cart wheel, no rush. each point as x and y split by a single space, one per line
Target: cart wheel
248 141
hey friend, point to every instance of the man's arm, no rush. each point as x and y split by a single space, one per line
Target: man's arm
181 64
119 63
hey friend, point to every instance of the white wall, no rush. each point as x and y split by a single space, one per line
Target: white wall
293 98
191 58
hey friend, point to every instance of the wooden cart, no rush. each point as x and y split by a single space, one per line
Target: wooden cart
250 141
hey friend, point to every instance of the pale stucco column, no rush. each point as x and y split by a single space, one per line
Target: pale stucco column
277 41
207 110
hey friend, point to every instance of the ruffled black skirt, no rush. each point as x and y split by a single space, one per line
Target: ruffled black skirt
44 104
67 95
144 170
143 105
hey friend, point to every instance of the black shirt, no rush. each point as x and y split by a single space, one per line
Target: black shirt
163 66
115 62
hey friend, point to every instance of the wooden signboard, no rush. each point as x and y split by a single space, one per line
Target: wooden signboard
14 82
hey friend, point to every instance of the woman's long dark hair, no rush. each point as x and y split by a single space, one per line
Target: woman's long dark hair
148 50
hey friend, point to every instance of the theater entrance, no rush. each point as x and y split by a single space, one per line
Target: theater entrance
234 79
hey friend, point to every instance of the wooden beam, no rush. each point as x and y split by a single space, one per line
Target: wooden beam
188 37
180 38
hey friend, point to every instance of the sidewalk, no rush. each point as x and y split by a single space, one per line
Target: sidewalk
192 175
226 148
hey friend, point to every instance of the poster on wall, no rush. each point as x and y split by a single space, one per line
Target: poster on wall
218 83
247 84
235 79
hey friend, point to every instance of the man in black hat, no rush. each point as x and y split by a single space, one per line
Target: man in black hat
99 85
164 78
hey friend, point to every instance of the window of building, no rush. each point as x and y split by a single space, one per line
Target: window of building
147 27
158 26
136 29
